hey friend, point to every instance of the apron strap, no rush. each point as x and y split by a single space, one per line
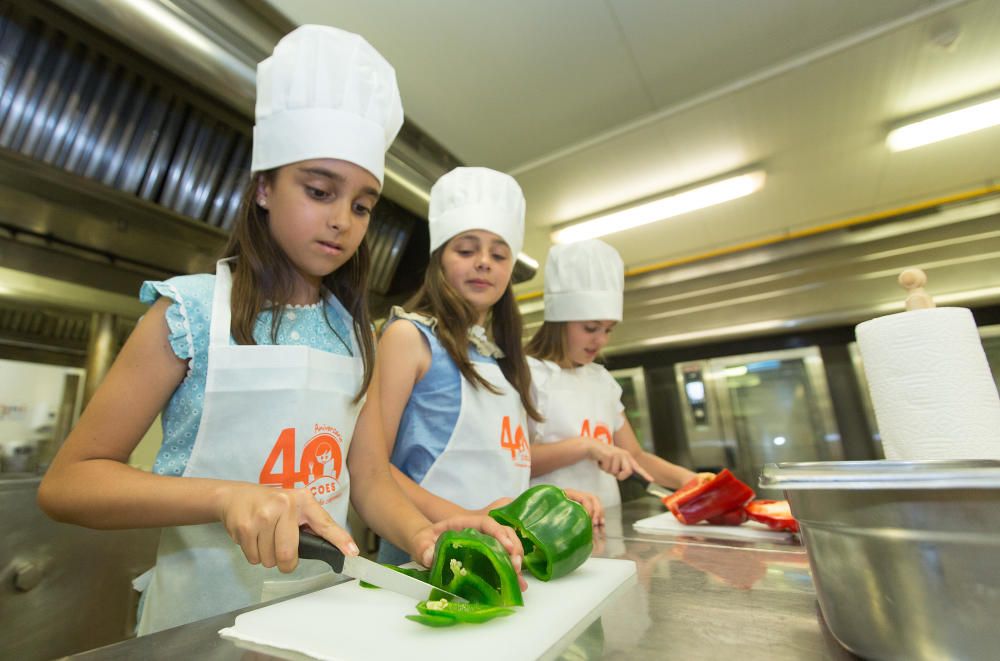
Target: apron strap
219 325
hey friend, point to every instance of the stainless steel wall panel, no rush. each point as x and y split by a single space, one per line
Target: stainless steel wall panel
175 172
137 158
11 36
227 198
119 138
22 83
84 88
194 164
159 164
50 96
110 119
208 173
84 135
48 56
59 105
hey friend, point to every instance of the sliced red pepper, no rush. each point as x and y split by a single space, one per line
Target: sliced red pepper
688 487
714 497
775 514
733 517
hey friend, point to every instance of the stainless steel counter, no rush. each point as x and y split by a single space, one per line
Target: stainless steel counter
694 599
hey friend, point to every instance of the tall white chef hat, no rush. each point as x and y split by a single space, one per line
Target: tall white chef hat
477 199
325 93
584 281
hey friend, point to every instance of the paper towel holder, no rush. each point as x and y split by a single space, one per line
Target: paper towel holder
913 281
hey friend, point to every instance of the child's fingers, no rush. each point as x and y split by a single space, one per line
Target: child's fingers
265 544
317 518
484 524
637 467
286 541
246 536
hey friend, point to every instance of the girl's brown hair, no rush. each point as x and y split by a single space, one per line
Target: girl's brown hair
263 273
549 342
455 316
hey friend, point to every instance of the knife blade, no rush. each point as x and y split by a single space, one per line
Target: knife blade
312 547
651 488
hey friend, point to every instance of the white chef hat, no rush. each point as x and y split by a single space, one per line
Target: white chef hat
325 93
477 199
584 281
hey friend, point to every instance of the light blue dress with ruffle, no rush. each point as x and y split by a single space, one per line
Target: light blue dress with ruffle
188 319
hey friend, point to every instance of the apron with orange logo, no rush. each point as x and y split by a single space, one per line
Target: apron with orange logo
487 456
577 404
281 416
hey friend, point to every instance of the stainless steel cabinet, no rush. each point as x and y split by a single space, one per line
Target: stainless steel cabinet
741 412
63 589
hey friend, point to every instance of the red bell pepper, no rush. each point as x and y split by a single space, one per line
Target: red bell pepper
775 514
689 486
733 517
709 498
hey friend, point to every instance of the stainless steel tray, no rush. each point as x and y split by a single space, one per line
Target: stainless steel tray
905 555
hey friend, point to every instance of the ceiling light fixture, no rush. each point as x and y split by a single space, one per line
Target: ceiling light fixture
943 126
662 208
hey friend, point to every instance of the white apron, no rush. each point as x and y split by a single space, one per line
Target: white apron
578 404
275 415
487 456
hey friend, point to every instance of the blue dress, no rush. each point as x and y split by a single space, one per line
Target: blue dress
430 414
188 320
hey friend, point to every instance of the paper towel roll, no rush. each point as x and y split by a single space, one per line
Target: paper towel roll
931 386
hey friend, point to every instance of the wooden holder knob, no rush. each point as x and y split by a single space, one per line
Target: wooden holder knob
913 281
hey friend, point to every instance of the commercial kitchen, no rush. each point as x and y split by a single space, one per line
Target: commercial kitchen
798 204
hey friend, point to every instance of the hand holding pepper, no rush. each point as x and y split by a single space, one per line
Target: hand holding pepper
590 502
426 539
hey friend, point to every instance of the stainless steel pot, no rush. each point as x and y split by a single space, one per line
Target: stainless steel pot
905 555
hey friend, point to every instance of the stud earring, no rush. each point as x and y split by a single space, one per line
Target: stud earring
262 202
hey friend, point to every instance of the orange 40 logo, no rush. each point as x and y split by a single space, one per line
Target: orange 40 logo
515 441
601 432
319 468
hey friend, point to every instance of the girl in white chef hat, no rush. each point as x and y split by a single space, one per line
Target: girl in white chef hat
455 396
585 441
260 370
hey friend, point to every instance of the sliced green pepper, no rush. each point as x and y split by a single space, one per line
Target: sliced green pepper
555 531
421 574
433 620
475 566
471 613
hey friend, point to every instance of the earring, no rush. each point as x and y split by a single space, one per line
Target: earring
262 202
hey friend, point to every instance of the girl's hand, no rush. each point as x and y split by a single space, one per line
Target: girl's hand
425 540
615 461
590 502
265 522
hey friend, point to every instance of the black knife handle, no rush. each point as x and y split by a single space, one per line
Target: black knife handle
638 479
312 547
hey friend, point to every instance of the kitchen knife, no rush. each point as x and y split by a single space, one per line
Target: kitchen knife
312 547
651 488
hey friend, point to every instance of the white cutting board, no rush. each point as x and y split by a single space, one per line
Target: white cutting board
667 524
347 622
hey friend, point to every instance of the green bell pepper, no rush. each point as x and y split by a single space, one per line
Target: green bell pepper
555 531
475 566
433 613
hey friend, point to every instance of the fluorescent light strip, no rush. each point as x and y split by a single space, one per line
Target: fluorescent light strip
949 125
663 208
